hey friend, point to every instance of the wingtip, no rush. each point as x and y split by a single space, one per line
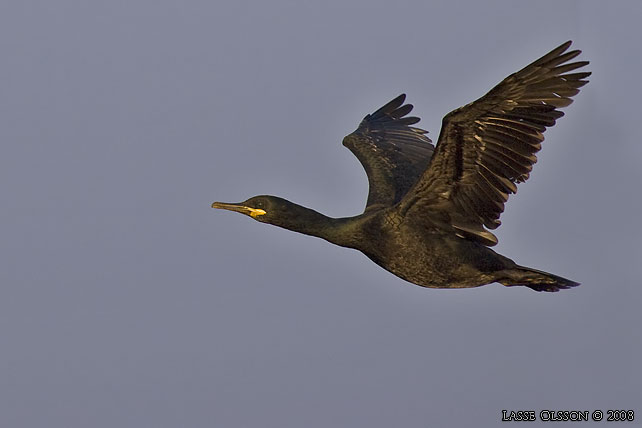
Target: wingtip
564 46
398 100
558 52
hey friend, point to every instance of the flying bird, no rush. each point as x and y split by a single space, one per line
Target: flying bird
430 208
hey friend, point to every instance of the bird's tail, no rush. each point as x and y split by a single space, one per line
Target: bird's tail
536 279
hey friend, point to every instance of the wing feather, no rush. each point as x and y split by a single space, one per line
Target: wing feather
486 147
393 153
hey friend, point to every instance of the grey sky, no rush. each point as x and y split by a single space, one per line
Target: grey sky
125 301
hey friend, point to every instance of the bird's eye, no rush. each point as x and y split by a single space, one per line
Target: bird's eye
259 204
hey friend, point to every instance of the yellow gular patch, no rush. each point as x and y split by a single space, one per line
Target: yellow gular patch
255 212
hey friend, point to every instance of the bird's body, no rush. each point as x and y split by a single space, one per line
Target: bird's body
428 207
429 257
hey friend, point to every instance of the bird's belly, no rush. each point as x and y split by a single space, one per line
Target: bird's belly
438 260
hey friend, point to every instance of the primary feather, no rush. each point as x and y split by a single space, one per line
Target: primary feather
488 146
393 153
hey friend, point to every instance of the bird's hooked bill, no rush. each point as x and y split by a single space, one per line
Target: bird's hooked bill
252 212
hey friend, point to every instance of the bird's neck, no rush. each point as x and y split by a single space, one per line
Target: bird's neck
339 231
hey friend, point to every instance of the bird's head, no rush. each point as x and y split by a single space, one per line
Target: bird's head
288 215
263 208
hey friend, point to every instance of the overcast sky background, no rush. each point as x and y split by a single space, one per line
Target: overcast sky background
125 301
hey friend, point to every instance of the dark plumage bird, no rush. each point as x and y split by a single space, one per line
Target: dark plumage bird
429 209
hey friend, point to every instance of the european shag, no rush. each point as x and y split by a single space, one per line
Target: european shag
430 208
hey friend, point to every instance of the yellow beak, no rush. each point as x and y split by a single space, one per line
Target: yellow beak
252 212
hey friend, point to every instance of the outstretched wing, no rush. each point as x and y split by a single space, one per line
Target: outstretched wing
393 153
488 146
